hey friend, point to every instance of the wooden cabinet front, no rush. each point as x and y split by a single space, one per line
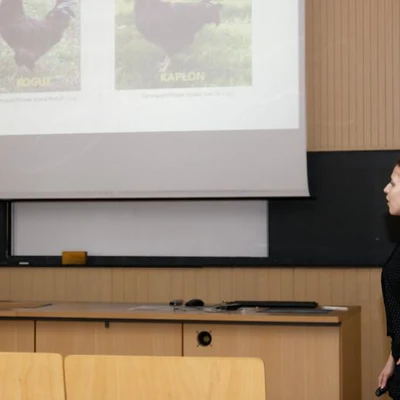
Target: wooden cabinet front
301 362
17 336
115 338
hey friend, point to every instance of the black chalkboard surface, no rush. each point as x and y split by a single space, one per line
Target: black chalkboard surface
345 222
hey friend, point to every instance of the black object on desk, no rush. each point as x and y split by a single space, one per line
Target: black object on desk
235 305
194 303
284 310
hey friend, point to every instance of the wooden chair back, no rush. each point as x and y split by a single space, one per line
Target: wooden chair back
161 378
31 376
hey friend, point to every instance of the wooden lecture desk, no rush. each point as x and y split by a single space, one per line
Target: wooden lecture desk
307 356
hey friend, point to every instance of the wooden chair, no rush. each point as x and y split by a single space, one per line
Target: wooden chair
31 376
162 378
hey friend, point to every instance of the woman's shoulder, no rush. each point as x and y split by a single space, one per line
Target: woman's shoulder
394 257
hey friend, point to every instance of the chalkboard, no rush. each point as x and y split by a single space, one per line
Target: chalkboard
344 223
4 222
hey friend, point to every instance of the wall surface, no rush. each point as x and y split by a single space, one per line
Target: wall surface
353 80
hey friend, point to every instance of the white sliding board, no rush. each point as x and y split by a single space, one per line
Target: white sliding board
137 228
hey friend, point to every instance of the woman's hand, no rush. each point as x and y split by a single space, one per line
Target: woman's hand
387 371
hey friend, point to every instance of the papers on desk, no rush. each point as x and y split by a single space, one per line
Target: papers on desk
151 307
168 308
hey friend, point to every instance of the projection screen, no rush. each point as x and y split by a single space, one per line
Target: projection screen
152 99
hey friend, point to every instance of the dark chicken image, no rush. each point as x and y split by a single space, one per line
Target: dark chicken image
173 26
32 40
182 43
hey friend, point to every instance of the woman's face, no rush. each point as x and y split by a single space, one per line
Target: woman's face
392 191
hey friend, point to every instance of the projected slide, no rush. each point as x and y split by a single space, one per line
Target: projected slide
144 66
39 46
179 44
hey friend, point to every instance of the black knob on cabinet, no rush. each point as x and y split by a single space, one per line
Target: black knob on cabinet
204 338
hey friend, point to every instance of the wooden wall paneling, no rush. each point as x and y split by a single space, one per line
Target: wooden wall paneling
5 284
385 54
22 283
338 49
395 83
352 64
47 283
287 284
359 95
351 85
374 79
342 17
325 286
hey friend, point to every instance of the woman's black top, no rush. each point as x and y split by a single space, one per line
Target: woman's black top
390 281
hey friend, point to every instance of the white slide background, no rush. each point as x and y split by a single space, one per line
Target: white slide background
271 102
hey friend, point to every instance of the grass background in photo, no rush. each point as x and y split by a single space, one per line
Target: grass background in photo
220 56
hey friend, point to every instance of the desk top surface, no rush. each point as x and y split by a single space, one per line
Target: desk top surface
163 312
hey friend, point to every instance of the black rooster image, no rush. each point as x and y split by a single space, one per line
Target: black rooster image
172 26
32 38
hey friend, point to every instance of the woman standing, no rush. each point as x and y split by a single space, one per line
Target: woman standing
390 281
